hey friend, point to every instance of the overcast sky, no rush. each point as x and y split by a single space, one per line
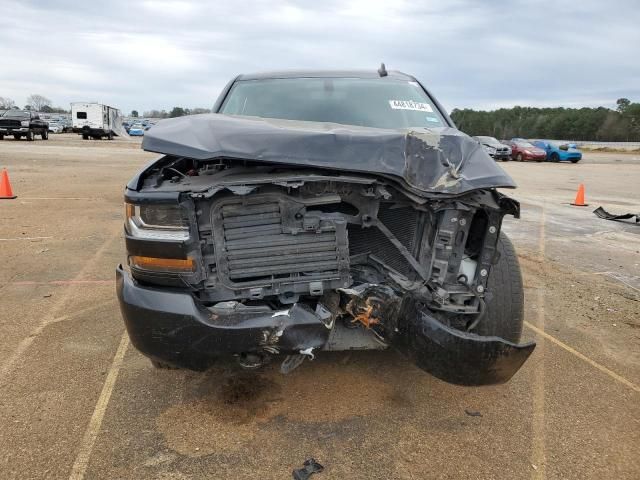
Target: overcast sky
138 54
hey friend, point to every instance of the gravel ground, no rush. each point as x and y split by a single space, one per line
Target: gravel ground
77 401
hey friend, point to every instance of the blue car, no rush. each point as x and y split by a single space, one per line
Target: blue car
136 130
556 152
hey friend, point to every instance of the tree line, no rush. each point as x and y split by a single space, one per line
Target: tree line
40 103
35 102
597 124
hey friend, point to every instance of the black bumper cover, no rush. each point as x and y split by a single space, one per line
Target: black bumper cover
171 326
457 357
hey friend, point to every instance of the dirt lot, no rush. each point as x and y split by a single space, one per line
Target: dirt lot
76 401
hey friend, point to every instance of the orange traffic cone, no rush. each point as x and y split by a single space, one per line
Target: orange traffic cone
579 201
5 186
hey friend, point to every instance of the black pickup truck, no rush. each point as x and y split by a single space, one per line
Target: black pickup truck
23 123
320 211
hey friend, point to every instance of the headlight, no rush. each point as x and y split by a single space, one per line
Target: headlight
156 222
528 152
24 123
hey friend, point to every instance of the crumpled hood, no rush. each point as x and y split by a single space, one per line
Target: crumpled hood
437 160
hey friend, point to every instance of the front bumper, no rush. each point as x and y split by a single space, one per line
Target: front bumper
172 326
13 131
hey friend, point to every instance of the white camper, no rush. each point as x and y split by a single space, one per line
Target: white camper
95 120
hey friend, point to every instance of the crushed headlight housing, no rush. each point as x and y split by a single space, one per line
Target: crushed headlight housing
156 222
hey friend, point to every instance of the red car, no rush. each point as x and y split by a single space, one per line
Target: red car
522 150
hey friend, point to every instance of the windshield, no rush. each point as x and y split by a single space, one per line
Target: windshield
380 103
16 114
525 145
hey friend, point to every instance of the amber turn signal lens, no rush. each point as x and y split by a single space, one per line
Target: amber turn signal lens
130 210
153 264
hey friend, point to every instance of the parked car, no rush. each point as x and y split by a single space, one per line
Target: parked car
136 130
321 211
23 123
494 148
55 127
559 152
523 150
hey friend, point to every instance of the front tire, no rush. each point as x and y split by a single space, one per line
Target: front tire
16 137
575 160
554 157
504 314
519 157
45 135
85 136
30 136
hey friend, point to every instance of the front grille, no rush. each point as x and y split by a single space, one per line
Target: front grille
6 123
257 251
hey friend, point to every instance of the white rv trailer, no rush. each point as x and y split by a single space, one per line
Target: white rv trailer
95 120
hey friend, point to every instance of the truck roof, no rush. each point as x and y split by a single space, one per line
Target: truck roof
324 74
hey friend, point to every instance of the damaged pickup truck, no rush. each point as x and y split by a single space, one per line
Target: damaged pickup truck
319 211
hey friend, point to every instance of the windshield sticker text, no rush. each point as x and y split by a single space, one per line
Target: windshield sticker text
410 105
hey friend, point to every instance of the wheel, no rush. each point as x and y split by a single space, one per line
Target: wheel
519 157
163 365
504 314
1 137
555 157
110 136
16 137
97 137
30 136
85 136
45 135
575 160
